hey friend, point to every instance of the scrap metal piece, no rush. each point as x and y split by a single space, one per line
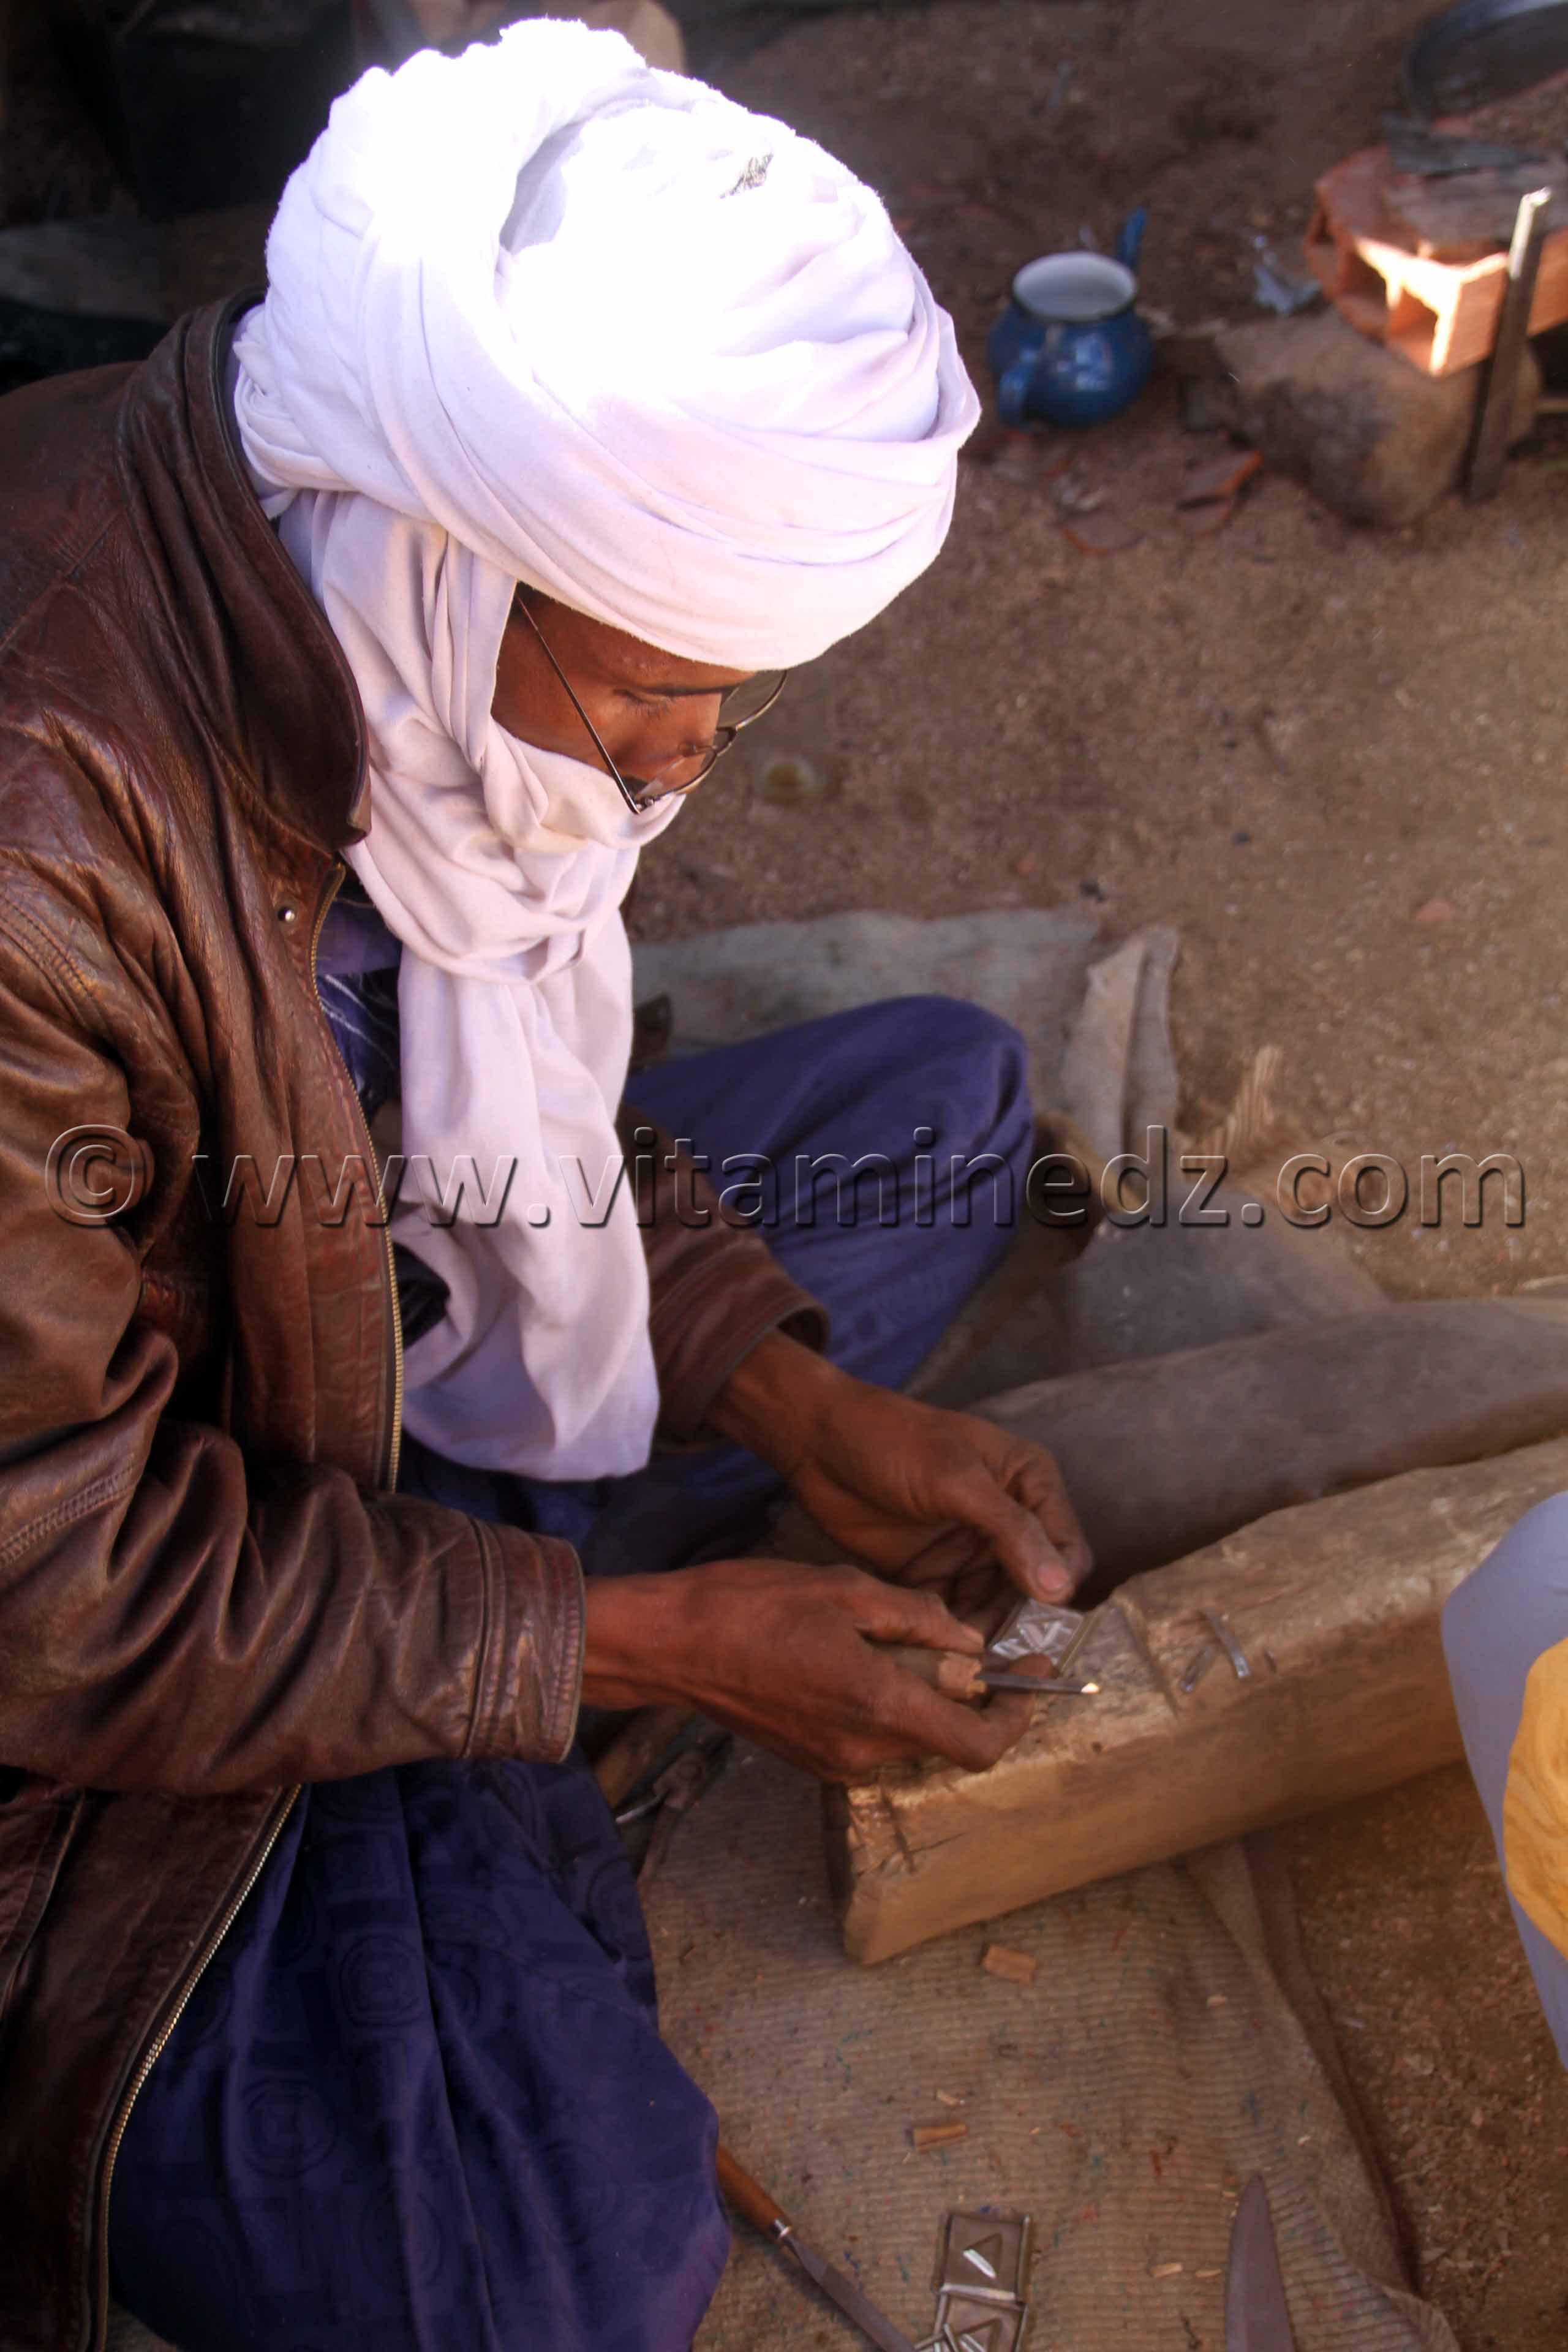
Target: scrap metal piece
1219 1625
985 2255
1196 1667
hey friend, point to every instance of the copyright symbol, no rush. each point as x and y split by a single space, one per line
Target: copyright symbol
94 1174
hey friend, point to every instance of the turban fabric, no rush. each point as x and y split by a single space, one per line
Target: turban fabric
539 313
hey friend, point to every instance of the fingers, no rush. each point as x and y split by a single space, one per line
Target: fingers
1020 1542
971 1737
1013 1491
956 1551
1039 1485
983 1596
896 1613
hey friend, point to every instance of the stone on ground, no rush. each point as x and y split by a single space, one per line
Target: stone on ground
1367 433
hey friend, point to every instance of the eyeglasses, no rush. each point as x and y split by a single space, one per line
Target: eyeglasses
739 707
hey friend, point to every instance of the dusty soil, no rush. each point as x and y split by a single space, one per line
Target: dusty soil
1334 761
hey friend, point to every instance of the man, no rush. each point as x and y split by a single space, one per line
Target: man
353 648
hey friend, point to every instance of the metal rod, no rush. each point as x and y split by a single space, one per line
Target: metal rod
1494 410
1220 1627
1197 1667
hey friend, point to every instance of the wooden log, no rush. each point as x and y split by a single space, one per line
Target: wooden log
1161 1458
1335 1605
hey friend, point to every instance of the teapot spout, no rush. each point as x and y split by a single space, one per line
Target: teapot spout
1129 237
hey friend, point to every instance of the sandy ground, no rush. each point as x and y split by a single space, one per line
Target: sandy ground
1333 760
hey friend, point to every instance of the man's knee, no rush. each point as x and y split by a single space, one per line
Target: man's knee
1526 1573
965 1055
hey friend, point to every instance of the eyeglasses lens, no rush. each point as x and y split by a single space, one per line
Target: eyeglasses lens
747 701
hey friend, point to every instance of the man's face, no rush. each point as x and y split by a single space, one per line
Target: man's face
655 712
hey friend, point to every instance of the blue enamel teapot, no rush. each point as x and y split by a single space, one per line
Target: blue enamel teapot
1070 349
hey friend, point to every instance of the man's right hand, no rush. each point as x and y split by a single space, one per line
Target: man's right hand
782 1652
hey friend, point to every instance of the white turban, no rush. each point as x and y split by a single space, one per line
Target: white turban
540 313
664 359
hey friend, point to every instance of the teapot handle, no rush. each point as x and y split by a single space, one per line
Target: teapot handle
1130 238
1012 391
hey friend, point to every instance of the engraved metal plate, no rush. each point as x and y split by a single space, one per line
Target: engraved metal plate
985 2255
1037 1628
977 2327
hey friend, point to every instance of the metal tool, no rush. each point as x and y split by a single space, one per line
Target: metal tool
674 1793
1256 2316
1495 409
954 1676
993 1678
753 2202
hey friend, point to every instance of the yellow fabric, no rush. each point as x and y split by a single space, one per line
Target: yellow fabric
1535 1800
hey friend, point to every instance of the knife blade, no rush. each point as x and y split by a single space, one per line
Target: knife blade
843 2291
1256 2316
751 2200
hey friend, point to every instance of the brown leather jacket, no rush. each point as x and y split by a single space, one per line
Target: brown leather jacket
209 1593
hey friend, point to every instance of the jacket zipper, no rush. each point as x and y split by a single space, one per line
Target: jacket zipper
286 1803
270 1835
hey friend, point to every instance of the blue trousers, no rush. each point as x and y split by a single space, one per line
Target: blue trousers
418 2101
1495 1626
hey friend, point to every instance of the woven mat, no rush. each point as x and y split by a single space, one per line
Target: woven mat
1169 2046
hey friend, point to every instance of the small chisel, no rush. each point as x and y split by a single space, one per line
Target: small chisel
954 1676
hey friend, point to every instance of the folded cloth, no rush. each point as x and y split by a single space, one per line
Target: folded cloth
539 313
663 358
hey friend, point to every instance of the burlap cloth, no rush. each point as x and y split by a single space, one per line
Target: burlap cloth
1170 2045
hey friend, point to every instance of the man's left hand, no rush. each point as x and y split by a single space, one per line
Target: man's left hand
923 1494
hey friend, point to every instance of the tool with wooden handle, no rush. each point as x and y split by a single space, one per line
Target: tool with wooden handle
751 2201
953 1676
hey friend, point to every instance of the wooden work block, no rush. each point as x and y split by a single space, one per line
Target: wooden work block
1439 314
1334 1607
